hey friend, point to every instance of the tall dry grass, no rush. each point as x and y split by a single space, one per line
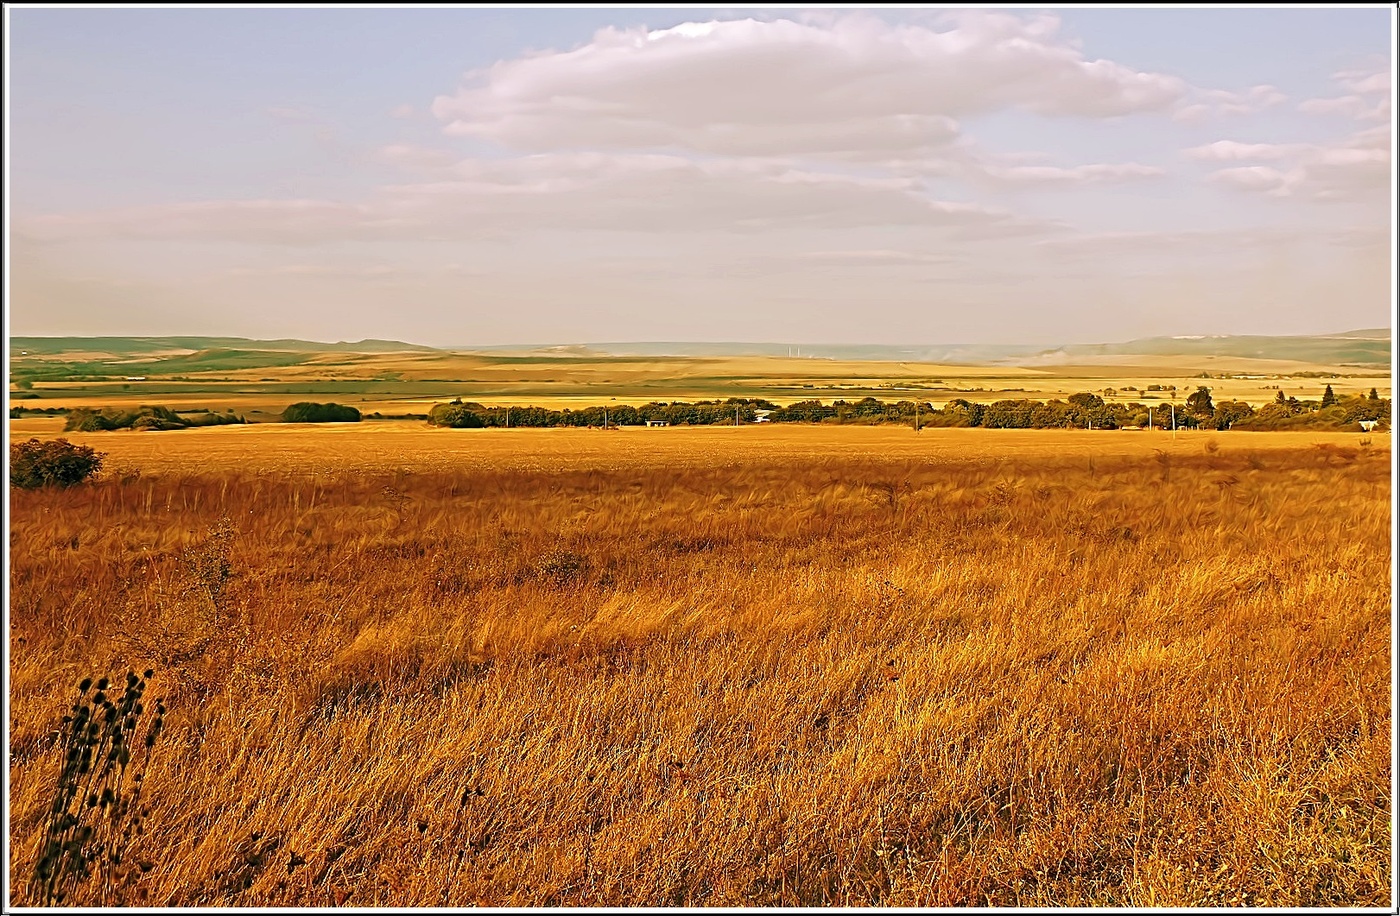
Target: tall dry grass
1134 681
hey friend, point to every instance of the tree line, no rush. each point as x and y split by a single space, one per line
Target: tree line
1081 410
89 420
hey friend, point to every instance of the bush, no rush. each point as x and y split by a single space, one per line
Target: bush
58 463
88 420
310 412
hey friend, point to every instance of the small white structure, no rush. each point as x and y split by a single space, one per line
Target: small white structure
761 416
1367 425
658 423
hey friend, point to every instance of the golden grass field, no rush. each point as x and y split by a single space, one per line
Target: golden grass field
716 666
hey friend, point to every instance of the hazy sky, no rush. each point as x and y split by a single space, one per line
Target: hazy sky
490 176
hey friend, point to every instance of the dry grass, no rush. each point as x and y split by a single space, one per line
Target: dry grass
572 668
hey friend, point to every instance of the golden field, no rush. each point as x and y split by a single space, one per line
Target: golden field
717 666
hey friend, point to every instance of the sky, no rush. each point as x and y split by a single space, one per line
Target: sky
478 176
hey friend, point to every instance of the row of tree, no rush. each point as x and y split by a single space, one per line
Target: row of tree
1078 411
90 420
459 414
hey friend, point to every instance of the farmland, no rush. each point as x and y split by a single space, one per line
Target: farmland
726 666
260 383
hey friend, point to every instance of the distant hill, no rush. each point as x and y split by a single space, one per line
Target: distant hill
142 346
1368 347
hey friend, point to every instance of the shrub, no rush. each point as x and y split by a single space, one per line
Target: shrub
311 412
88 420
57 463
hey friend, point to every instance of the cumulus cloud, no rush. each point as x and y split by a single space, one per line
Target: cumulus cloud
1228 150
849 85
1354 168
1367 96
1208 103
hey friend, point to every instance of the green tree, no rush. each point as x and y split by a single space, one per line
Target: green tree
1328 398
1373 396
1199 403
1228 413
1086 400
311 412
457 415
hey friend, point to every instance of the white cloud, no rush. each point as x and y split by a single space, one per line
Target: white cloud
1098 173
1357 167
846 86
638 192
1227 150
1271 181
1367 99
1207 103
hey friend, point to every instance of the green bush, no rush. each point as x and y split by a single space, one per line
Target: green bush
310 412
88 420
455 415
56 463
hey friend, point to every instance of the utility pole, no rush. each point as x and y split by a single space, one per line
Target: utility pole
916 414
1173 422
736 414
507 418
1149 417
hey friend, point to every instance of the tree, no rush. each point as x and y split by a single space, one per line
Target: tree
1199 403
456 415
1086 400
1280 399
1328 398
1373 396
57 463
311 412
1230 412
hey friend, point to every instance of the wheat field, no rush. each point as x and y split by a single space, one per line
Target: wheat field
798 667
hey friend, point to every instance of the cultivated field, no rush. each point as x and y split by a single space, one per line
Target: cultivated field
262 384
799 666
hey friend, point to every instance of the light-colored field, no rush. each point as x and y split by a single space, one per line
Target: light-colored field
756 666
319 448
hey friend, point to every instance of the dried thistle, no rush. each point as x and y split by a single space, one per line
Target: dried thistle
96 816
